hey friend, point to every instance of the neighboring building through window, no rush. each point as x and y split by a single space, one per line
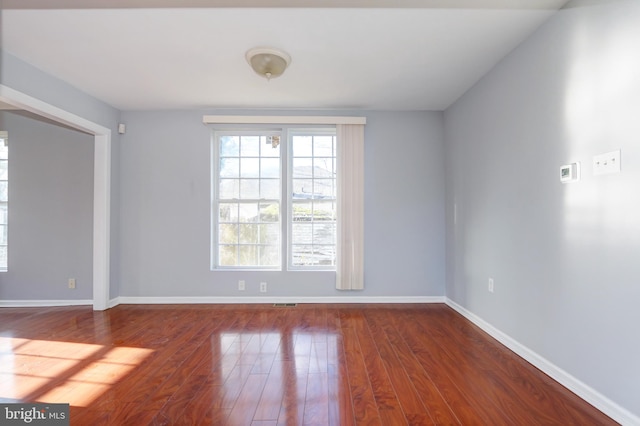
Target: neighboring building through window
4 198
248 188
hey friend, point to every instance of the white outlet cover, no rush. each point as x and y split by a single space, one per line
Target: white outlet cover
607 163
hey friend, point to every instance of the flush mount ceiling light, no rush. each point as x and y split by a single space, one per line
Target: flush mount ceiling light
268 62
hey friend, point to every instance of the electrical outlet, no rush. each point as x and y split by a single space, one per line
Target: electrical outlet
263 287
490 285
241 285
72 283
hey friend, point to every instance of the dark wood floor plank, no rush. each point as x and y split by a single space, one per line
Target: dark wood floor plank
364 402
440 412
381 376
316 403
268 408
295 391
313 364
246 403
340 399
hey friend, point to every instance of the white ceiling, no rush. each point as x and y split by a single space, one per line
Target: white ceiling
149 54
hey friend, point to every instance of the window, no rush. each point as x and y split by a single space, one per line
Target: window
248 199
312 207
4 197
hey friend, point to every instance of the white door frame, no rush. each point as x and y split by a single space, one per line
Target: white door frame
101 183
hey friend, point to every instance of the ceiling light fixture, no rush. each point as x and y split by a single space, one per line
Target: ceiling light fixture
268 62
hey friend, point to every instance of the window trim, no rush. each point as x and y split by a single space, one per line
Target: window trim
282 120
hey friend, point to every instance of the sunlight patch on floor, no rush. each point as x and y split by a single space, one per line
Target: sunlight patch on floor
62 372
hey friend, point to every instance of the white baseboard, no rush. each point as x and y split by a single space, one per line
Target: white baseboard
274 299
42 303
173 300
590 395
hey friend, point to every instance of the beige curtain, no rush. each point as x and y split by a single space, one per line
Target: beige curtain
350 207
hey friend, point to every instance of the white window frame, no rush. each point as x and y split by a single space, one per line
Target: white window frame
215 200
291 133
4 139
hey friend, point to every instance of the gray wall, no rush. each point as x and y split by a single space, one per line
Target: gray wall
565 257
165 208
50 211
25 78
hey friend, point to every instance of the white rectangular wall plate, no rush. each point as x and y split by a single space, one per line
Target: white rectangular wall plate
607 163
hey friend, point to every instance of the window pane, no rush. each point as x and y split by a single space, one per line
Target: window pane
323 146
323 188
302 212
247 255
324 255
3 169
301 255
270 189
302 233
229 146
269 212
324 233
228 255
3 234
269 234
228 233
323 167
302 168
302 146
250 167
302 188
229 189
3 214
324 211
250 146
3 191
249 234
230 167
228 212
268 150
249 189
270 167
269 256
3 257
248 212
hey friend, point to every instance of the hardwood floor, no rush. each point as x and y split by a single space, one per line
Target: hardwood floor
264 365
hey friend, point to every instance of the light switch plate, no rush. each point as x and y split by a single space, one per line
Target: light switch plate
608 163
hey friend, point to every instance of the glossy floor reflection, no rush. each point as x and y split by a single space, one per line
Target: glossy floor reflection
263 365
